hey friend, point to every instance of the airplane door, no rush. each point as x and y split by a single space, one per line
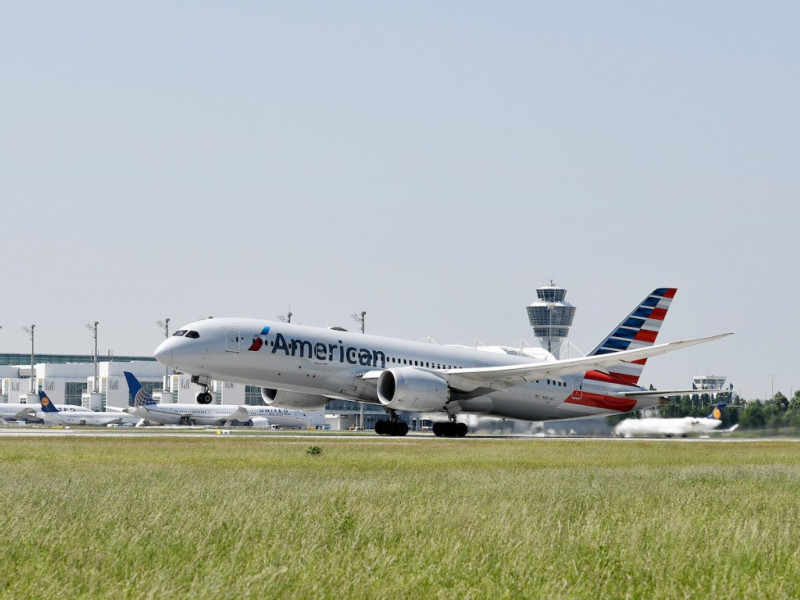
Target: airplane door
232 340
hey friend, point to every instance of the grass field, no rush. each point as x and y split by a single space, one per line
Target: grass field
229 517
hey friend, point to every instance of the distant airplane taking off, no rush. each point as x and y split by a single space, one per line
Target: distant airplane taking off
677 427
298 366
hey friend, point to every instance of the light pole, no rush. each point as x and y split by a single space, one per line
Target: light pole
93 328
29 330
165 326
360 318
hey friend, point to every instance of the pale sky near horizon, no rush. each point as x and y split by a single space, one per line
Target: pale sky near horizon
429 163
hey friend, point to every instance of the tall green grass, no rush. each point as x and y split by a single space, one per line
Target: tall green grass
236 517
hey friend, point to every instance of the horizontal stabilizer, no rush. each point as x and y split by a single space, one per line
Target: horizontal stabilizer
498 378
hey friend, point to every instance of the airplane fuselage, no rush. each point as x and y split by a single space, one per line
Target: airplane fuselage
336 363
183 414
675 427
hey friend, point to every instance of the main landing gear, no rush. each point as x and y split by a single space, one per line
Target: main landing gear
450 428
391 427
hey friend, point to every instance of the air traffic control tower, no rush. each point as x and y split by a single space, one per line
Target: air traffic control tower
551 317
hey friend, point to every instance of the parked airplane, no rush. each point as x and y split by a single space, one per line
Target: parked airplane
192 414
18 412
302 367
73 415
681 426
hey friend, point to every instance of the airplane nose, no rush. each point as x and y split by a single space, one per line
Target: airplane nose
163 353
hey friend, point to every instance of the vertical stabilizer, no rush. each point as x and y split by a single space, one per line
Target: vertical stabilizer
47 405
638 330
139 395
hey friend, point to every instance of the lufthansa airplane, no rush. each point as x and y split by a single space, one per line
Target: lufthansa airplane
680 426
73 415
298 366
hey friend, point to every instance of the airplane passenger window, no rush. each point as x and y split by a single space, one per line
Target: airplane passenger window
193 334
179 333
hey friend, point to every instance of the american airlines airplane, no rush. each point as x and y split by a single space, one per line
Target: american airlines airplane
298 366
678 427
147 408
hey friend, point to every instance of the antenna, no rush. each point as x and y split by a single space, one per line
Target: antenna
287 318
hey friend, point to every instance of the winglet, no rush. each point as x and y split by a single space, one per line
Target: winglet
47 405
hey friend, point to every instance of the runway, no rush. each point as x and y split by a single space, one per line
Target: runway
205 432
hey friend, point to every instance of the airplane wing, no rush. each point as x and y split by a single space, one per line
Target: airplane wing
499 378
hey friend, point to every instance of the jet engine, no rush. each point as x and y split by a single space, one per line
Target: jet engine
294 400
407 388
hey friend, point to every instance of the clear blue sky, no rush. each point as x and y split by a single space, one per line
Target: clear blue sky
430 163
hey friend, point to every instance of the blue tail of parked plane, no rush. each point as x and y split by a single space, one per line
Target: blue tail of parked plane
139 395
47 405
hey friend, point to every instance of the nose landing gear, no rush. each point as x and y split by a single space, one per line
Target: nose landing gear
205 396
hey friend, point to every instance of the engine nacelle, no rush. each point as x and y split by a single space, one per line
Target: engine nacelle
407 388
295 400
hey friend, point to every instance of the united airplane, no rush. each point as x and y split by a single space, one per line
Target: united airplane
678 427
298 366
147 408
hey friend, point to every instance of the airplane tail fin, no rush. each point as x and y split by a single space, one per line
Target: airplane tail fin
638 330
47 405
139 395
716 413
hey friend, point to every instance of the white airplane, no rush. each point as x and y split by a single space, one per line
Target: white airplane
148 409
302 367
73 415
18 412
677 427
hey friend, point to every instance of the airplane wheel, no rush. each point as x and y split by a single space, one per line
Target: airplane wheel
442 429
380 427
204 398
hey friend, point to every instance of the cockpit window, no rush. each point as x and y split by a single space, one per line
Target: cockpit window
192 334
179 333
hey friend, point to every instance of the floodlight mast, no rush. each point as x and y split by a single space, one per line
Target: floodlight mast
165 326
360 318
93 328
30 330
